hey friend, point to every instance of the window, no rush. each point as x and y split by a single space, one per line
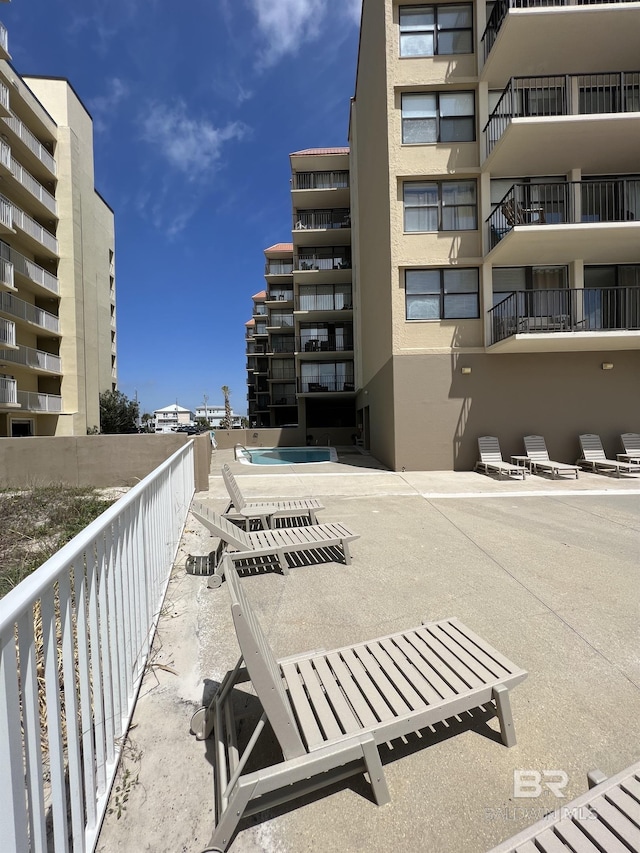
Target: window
436 30
438 117
442 294
440 206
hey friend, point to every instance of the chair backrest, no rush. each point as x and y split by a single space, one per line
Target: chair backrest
222 528
592 449
233 488
631 442
489 449
536 448
262 667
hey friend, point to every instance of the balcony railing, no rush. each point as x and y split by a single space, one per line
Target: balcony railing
320 382
277 321
321 180
33 401
501 9
4 38
556 203
35 358
10 304
589 309
7 333
25 223
33 186
280 345
6 273
34 145
324 259
287 400
332 343
563 95
336 300
277 294
282 374
321 220
8 391
278 268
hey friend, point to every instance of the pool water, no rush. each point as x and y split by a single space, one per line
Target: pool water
290 455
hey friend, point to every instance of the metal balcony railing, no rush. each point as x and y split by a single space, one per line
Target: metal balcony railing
287 400
7 333
282 374
331 343
321 220
589 309
324 259
34 145
316 383
6 272
277 294
4 38
10 304
25 223
33 186
278 268
8 391
35 358
501 9
616 200
321 180
33 401
34 272
337 300
277 321
561 95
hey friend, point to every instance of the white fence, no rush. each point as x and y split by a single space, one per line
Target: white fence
74 640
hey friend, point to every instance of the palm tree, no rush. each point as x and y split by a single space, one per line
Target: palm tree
227 420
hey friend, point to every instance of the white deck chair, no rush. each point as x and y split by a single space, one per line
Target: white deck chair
491 459
536 449
593 457
631 444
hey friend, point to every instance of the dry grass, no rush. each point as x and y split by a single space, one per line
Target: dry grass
37 522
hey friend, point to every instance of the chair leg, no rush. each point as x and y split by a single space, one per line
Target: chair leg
313 518
347 554
231 817
376 773
503 707
282 559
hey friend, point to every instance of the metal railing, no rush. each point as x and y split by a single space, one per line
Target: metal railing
324 259
8 394
616 200
34 272
280 345
332 343
33 186
560 95
317 220
10 304
7 333
287 400
5 154
589 309
34 401
321 180
317 383
4 38
34 145
4 93
501 9
336 300
277 321
75 637
35 358
6 272
6 212
280 374
278 268
23 221
277 294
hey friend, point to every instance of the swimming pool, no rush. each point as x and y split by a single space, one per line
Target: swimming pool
287 455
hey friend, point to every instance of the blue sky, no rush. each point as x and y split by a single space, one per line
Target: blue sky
196 107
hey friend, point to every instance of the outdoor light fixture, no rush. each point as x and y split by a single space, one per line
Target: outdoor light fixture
465 370
607 365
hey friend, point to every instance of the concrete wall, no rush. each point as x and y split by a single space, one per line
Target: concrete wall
285 437
94 460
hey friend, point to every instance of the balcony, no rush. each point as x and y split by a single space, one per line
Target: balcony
6 274
313 227
33 401
278 294
7 333
282 374
326 383
281 344
35 359
550 125
35 234
554 223
276 268
8 394
279 321
324 299
526 37
329 258
306 187
29 313
4 96
30 145
585 319
331 343
287 400
4 43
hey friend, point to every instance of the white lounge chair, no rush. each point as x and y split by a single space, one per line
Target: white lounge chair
491 459
593 457
631 444
330 711
536 450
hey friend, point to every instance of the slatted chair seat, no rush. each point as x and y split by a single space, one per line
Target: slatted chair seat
594 457
536 450
266 512
631 445
329 711
606 818
491 459
276 543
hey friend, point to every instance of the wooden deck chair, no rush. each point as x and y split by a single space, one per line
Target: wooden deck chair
277 543
593 457
606 818
330 711
631 444
536 450
265 511
491 459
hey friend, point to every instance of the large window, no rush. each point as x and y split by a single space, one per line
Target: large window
438 117
436 30
442 294
440 206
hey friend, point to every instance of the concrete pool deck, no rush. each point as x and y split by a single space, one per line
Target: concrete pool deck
547 571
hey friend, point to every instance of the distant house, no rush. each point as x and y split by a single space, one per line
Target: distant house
170 417
215 414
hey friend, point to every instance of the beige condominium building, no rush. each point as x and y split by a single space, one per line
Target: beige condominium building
496 226
300 340
57 286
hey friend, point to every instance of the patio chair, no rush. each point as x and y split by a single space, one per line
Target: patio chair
536 450
276 544
606 818
330 711
491 459
631 444
593 456
265 512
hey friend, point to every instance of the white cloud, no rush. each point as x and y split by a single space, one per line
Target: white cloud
352 9
192 146
103 106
